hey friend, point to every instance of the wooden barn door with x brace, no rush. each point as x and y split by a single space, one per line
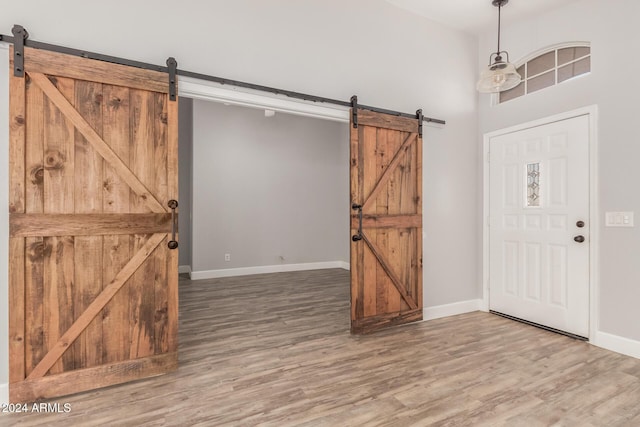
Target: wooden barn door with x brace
93 168
386 221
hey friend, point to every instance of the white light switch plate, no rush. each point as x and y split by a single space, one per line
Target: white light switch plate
618 219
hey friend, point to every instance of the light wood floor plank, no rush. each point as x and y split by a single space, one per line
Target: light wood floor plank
275 350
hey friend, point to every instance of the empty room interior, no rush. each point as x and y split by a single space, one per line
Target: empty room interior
319 213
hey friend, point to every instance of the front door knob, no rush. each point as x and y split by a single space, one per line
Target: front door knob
579 239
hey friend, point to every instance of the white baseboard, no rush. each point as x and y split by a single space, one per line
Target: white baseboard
438 311
184 269
343 265
617 343
280 268
4 393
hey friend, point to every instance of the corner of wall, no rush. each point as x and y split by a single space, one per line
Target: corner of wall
446 310
4 394
616 343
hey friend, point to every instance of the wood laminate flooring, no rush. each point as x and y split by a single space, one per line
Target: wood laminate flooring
275 350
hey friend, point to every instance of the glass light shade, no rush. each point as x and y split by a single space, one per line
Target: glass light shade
498 77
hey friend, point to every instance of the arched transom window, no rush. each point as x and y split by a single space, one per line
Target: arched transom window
551 67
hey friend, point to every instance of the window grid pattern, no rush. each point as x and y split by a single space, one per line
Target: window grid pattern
533 185
549 69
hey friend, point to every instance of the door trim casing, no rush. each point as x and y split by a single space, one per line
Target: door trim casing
594 289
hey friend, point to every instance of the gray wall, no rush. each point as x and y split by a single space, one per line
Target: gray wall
331 48
612 29
185 154
268 190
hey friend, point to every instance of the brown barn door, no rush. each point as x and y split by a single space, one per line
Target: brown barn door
93 285
386 195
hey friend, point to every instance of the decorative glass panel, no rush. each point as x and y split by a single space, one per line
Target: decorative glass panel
574 69
572 53
541 64
512 93
533 184
542 81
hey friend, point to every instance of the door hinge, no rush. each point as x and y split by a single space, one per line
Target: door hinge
420 119
172 64
19 37
354 111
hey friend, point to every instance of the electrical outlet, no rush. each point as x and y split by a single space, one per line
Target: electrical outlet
227 257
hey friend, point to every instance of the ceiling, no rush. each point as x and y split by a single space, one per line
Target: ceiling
475 16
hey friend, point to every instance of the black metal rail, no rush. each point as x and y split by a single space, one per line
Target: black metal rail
144 65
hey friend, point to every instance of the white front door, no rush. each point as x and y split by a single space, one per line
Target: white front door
539 225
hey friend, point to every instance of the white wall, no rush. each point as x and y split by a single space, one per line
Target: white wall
268 190
612 29
333 48
185 156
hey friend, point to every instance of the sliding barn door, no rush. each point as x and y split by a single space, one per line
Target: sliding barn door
93 285
386 195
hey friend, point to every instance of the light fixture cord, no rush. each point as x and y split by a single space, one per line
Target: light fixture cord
499 9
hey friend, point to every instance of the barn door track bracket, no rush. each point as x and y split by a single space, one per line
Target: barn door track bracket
172 66
354 111
420 118
19 37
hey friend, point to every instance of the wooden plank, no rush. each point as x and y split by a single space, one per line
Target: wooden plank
98 143
58 296
59 182
17 134
160 189
33 225
370 296
355 253
16 311
394 198
95 307
116 251
387 121
379 205
46 62
59 150
90 378
384 321
388 172
141 291
34 150
17 121
88 200
88 275
35 340
371 156
172 257
88 162
387 221
35 344
382 261
417 233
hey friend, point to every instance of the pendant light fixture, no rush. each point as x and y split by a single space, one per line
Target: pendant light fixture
499 75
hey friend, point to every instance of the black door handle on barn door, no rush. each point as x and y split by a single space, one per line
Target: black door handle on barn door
357 237
173 204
